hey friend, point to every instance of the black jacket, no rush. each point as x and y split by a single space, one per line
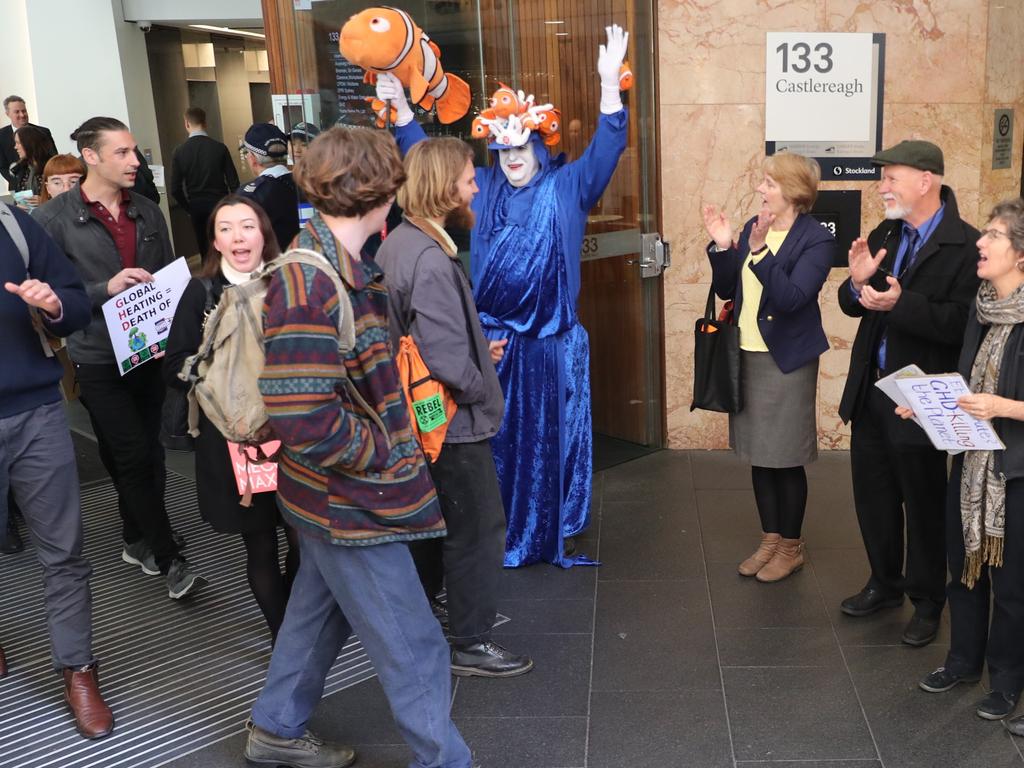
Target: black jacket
279 197
91 249
145 185
1011 384
8 155
429 295
202 168
927 324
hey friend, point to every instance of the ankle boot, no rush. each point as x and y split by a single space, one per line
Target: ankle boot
3 664
93 717
789 558
760 558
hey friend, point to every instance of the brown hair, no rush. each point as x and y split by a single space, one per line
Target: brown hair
196 116
57 166
1011 214
433 168
211 261
350 171
797 176
36 146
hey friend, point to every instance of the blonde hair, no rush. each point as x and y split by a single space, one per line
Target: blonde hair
433 168
797 177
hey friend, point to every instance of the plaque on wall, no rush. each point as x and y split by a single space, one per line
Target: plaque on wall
1002 139
838 211
823 99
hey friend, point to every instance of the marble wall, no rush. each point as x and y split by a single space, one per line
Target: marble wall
949 64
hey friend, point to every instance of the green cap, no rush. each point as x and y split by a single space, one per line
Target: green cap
922 155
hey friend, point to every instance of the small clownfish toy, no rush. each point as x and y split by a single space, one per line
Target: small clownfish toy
480 129
505 102
385 39
378 107
625 77
551 129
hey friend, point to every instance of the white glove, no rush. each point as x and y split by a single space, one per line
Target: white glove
389 89
609 63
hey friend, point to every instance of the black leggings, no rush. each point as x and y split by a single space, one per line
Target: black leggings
781 496
269 586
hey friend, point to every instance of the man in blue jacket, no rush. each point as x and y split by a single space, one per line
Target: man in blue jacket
44 298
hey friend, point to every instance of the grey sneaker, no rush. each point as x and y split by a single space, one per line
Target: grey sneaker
182 580
307 751
138 553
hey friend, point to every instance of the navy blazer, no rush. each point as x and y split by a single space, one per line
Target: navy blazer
789 317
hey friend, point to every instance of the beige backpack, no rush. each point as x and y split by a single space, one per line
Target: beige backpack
225 371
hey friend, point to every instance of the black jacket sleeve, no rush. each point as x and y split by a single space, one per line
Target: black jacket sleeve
144 183
186 332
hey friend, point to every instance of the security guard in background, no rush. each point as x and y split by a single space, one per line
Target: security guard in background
266 151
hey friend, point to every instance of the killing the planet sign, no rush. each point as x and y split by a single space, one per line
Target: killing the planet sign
139 318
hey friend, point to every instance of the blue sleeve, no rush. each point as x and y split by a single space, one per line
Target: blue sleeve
409 135
593 170
801 286
48 263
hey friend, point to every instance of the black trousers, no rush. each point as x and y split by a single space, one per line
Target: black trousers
975 635
125 415
897 487
199 210
470 559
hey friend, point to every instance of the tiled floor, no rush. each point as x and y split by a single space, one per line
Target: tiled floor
665 657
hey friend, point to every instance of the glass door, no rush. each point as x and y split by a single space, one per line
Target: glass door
547 48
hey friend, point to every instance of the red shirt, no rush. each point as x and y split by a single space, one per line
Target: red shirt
122 229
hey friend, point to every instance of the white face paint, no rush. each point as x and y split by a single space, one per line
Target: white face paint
519 164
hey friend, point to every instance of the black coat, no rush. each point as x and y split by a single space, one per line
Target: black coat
926 327
279 197
202 168
216 488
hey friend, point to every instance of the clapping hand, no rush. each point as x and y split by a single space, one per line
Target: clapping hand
759 231
862 264
881 301
718 226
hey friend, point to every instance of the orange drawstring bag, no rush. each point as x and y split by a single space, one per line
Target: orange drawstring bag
431 408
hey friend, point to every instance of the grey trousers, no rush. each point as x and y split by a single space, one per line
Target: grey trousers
37 461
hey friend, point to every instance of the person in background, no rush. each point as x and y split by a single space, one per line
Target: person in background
351 478
985 494
912 282
299 138
429 297
37 457
145 184
34 151
17 113
774 275
242 241
118 239
202 172
61 173
266 153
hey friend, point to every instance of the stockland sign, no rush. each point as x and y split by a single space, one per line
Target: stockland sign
139 318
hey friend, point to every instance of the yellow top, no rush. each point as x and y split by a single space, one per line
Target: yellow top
750 335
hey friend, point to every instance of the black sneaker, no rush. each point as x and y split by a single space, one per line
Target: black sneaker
997 705
307 751
182 580
488 660
942 680
920 631
867 601
138 553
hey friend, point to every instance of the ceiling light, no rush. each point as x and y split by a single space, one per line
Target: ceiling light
554 22
227 31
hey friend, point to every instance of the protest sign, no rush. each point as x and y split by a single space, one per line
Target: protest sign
934 402
251 475
139 318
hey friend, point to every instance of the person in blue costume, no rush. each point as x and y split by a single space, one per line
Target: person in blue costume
531 214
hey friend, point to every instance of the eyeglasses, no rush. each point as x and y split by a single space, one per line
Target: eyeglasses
993 234
56 182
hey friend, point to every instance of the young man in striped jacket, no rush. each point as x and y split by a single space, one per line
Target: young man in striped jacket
353 482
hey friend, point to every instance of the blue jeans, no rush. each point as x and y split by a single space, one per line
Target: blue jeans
375 592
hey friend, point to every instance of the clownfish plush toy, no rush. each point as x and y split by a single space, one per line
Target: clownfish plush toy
385 39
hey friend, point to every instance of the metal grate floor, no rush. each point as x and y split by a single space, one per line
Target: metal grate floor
179 676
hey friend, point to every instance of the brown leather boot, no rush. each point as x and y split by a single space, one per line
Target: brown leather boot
760 558
789 558
93 717
3 663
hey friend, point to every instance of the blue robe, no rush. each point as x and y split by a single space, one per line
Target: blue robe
525 264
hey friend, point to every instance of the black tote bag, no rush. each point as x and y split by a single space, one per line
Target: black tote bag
716 363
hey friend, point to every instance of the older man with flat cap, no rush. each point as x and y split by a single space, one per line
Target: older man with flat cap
911 282
265 149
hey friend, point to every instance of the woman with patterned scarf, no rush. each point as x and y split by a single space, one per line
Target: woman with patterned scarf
985 502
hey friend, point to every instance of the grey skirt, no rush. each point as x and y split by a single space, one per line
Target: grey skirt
778 426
